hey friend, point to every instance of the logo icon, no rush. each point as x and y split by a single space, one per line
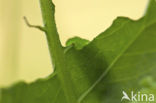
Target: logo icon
125 96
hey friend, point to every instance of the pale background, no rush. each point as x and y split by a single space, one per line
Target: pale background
24 53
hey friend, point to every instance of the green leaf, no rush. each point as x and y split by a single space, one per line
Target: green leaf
77 42
42 91
120 59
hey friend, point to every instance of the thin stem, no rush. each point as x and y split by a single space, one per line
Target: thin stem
56 50
33 26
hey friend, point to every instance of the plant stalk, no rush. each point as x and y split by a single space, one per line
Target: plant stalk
56 50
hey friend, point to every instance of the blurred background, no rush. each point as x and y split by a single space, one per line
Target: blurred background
24 54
